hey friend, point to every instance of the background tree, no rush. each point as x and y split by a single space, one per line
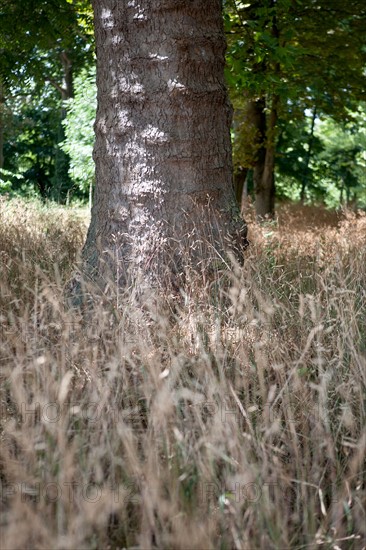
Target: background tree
162 151
298 146
290 64
284 52
334 165
31 127
45 43
343 159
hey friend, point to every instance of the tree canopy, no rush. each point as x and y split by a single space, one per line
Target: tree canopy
286 57
43 46
296 77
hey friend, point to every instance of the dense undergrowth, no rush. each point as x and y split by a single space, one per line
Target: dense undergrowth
234 418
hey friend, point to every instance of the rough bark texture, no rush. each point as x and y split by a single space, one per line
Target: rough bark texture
162 151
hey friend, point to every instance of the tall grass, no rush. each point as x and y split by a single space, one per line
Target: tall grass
234 419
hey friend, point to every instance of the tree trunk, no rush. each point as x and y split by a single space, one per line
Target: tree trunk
263 173
264 176
308 155
68 84
164 191
240 177
2 107
61 181
265 187
1 137
348 193
341 193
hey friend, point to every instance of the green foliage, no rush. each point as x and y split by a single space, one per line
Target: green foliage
34 35
344 158
7 180
303 54
260 53
336 168
30 127
79 130
42 45
294 157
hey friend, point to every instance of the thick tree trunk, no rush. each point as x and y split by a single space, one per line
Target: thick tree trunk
162 152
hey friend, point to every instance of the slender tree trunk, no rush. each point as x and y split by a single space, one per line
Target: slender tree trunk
2 106
240 177
162 152
341 193
348 194
308 156
353 203
1 137
68 85
246 186
61 180
263 174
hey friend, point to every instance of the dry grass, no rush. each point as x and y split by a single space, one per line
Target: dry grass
235 421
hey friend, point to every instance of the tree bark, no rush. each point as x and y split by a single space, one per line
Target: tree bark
162 152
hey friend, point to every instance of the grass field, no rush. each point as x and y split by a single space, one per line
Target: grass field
232 419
